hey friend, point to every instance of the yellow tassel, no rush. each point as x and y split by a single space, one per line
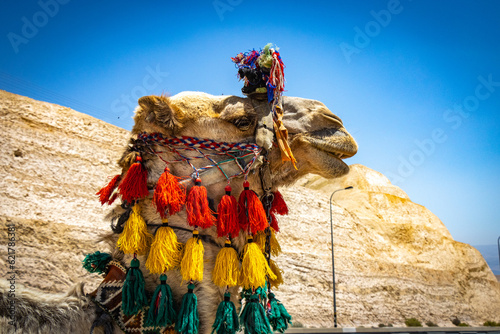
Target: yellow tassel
254 267
226 269
164 254
279 275
260 239
135 236
192 260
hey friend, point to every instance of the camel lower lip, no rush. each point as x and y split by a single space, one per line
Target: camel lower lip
328 148
335 157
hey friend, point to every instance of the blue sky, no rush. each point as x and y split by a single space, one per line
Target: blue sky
416 82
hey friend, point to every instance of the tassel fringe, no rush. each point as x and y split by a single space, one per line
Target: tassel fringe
227 216
105 192
198 211
226 268
279 206
169 195
134 185
260 239
161 310
251 211
135 236
192 260
275 283
188 320
133 291
226 318
96 262
164 254
254 267
253 317
279 318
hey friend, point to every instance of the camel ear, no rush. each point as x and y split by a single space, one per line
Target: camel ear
158 110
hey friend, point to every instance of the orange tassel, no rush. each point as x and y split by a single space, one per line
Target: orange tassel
169 194
105 192
227 219
135 183
198 211
251 212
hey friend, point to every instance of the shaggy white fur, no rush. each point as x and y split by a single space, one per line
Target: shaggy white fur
36 312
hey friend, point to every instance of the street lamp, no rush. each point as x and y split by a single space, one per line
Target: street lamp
333 258
499 252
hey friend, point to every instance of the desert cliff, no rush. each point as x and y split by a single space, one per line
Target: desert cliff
394 259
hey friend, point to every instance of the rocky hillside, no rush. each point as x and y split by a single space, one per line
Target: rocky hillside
54 160
393 258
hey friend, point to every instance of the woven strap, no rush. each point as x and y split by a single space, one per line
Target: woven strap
196 143
239 153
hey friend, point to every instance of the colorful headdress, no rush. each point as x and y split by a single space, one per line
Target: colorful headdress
263 73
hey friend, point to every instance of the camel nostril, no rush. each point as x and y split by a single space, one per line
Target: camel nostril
329 116
327 132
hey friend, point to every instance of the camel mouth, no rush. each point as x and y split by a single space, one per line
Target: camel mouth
337 155
338 144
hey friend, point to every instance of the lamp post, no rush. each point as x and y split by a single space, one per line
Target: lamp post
498 252
333 258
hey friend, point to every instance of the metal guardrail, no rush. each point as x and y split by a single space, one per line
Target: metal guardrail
400 330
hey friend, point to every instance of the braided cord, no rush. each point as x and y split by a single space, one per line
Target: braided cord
206 148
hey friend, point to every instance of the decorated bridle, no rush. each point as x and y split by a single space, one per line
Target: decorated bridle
237 153
257 217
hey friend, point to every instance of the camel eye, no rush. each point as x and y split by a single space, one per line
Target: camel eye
243 123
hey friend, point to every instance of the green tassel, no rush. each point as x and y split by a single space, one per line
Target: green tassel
96 262
247 293
226 319
253 317
278 316
188 320
261 291
133 291
161 311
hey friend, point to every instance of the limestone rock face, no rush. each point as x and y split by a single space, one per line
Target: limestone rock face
54 159
393 258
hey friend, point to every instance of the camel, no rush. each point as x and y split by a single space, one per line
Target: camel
317 138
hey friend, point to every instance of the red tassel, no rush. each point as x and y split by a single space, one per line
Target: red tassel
227 219
279 206
274 222
198 211
135 183
105 193
169 194
251 212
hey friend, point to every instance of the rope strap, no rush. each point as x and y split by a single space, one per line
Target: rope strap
235 152
196 143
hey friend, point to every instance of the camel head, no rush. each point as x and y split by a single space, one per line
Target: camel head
317 137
